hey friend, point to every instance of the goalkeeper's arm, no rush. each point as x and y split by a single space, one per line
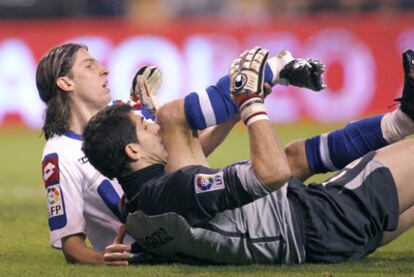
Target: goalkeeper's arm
266 152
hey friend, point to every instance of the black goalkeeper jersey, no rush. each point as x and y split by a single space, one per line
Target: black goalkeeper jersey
215 215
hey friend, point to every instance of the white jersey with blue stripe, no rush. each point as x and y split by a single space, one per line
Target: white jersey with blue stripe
79 198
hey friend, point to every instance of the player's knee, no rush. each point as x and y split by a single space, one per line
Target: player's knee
170 114
296 156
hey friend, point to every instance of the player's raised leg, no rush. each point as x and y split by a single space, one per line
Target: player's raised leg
406 220
215 105
336 149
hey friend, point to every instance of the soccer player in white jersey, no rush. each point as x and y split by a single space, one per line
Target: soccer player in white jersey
253 212
81 202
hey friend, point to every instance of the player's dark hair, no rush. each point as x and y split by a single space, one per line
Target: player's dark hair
105 137
56 63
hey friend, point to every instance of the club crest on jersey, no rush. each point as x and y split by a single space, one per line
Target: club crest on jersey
50 169
208 182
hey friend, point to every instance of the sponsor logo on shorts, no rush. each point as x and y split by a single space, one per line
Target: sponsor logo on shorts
208 182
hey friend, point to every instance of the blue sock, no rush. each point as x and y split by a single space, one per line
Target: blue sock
214 105
336 149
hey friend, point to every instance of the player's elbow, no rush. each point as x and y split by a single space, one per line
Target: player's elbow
71 259
274 177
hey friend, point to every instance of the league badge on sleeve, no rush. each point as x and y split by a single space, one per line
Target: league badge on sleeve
55 203
208 182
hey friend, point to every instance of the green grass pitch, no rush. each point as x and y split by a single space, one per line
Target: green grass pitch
24 238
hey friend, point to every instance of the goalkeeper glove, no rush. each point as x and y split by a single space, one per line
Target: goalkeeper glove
144 92
246 84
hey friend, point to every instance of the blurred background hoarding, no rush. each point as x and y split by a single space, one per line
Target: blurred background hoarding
194 42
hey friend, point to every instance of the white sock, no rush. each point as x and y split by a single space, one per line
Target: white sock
277 63
396 125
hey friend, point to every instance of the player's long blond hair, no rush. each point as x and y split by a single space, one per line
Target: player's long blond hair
56 63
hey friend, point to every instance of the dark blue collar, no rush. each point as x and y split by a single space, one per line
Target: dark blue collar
73 135
133 182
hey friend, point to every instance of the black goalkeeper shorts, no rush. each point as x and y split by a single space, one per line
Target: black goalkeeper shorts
343 218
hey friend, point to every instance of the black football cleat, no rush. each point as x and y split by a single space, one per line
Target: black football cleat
304 73
407 98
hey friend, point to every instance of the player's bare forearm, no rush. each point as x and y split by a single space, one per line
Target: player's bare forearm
75 250
212 137
267 155
266 152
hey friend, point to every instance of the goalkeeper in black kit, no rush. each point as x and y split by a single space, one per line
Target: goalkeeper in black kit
255 211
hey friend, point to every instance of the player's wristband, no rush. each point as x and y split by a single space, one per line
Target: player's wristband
255 118
253 110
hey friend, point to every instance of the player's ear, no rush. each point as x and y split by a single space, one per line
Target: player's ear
133 151
64 83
